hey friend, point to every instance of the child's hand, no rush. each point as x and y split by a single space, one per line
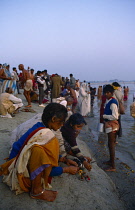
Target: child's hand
88 159
71 162
87 165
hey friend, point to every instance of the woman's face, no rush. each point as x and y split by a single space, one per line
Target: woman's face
56 123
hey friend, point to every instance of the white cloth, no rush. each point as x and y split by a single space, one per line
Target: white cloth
14 99
84 100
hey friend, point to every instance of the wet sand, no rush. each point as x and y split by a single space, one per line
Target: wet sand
124 177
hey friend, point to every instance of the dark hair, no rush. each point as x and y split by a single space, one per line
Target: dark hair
76 119
39 72
14 68
71 75
116 84
108 88
8 89
53 109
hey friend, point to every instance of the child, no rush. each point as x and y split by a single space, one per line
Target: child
111 124
70 131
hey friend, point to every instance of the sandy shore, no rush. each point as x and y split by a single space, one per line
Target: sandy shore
103 191
124 177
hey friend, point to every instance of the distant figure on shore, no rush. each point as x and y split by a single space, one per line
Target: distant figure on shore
72 93
28 84
125 93
84 101
56 82
99 93
15 77
92 94
72 81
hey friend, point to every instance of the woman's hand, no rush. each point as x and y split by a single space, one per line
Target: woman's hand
71 162
71 170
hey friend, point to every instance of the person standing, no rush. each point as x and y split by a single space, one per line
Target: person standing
27 80
56 82
72 81
110 117
84 100
72 93
99 93
118 95
41 83
16 78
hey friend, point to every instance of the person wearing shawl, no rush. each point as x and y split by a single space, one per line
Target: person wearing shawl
119 97
84 99
35 154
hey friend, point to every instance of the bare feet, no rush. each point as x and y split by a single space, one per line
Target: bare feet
28 106
107 163
111 169
47 195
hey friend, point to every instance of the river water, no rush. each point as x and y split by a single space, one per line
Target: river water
125 149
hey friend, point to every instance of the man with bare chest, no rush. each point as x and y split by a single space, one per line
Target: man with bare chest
27 80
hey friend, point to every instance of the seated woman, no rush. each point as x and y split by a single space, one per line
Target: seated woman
9 104
70 131
35 154
6 79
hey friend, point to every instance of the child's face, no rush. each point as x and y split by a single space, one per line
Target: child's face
108 95
78 127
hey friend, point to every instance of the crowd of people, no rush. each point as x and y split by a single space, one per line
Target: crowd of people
41 143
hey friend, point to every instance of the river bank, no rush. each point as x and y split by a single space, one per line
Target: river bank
103 191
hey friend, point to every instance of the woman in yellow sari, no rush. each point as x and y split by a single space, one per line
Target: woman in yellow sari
34 154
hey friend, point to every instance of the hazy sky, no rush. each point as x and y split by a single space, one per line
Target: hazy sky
93 39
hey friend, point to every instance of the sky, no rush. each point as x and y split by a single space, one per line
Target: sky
92 39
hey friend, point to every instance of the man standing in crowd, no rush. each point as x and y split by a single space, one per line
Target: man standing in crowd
16 78
72 81
27 80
